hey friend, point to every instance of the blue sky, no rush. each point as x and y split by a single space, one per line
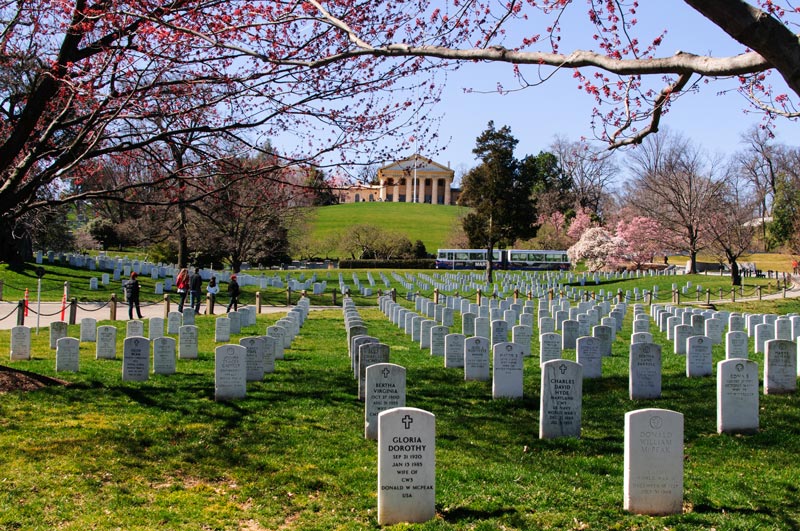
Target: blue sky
536 115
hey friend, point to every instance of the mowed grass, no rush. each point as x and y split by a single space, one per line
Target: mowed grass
106 454
432 224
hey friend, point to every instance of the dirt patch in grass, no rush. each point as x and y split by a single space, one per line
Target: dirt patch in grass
19 380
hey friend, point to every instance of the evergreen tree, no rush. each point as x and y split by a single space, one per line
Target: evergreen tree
499 190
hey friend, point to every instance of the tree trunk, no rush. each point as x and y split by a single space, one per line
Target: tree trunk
692 262
736 275
183 238
14 251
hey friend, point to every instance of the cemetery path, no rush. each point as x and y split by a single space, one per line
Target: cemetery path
51 311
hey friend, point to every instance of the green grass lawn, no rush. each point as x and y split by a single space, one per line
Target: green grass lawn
105 454
432 224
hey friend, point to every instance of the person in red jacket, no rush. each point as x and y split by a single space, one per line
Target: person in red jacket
182 285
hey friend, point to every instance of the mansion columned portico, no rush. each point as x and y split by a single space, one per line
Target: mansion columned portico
416 179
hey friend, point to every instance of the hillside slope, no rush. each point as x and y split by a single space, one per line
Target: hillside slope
432 224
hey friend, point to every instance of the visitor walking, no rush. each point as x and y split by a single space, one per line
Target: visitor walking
182 285
195 288
132 294
233 292
212 289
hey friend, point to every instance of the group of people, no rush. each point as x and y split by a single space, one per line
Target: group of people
185 284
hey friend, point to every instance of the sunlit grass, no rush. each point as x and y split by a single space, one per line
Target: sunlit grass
106 454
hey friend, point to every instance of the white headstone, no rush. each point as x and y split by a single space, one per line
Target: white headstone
385 389
737 396
454 351
438 334
254 358
590 356
561 399
737 345
644 371
483 327
269 344
521 335
134 328
136 359
763 333
106 347
641 337
20 343
507 366
550 347
58 329
681 334
174 322
699 361
499 331
230 372
468 324
570 331
187 342
780 367
369 354
164 355
67 354
155 328
476 358
406 444
653 468
88 330
222 329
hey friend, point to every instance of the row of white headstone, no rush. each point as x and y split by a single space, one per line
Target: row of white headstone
652 485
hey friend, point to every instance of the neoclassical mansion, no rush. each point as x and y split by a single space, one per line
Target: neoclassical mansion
416 179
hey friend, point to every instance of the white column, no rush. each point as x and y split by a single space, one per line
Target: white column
447 184
435 191
383 190
408 190
395 192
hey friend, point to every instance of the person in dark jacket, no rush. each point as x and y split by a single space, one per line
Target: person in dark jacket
233 292
195 288
132 294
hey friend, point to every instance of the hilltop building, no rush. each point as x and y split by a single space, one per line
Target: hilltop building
416 179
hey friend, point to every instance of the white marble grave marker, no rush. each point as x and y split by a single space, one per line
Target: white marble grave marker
737 396
780 367
164 355
67 354
88 330
644 371
476 359
230 372
653 462
406 466
20 343
106 346
187 342
135 359
507 365
385 389
561 399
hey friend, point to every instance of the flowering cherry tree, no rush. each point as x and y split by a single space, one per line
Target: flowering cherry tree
597 249
642 236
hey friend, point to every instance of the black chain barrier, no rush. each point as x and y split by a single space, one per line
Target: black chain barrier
12 312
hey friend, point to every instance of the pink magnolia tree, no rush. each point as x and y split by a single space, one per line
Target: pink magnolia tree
580 224
642 237
598 249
